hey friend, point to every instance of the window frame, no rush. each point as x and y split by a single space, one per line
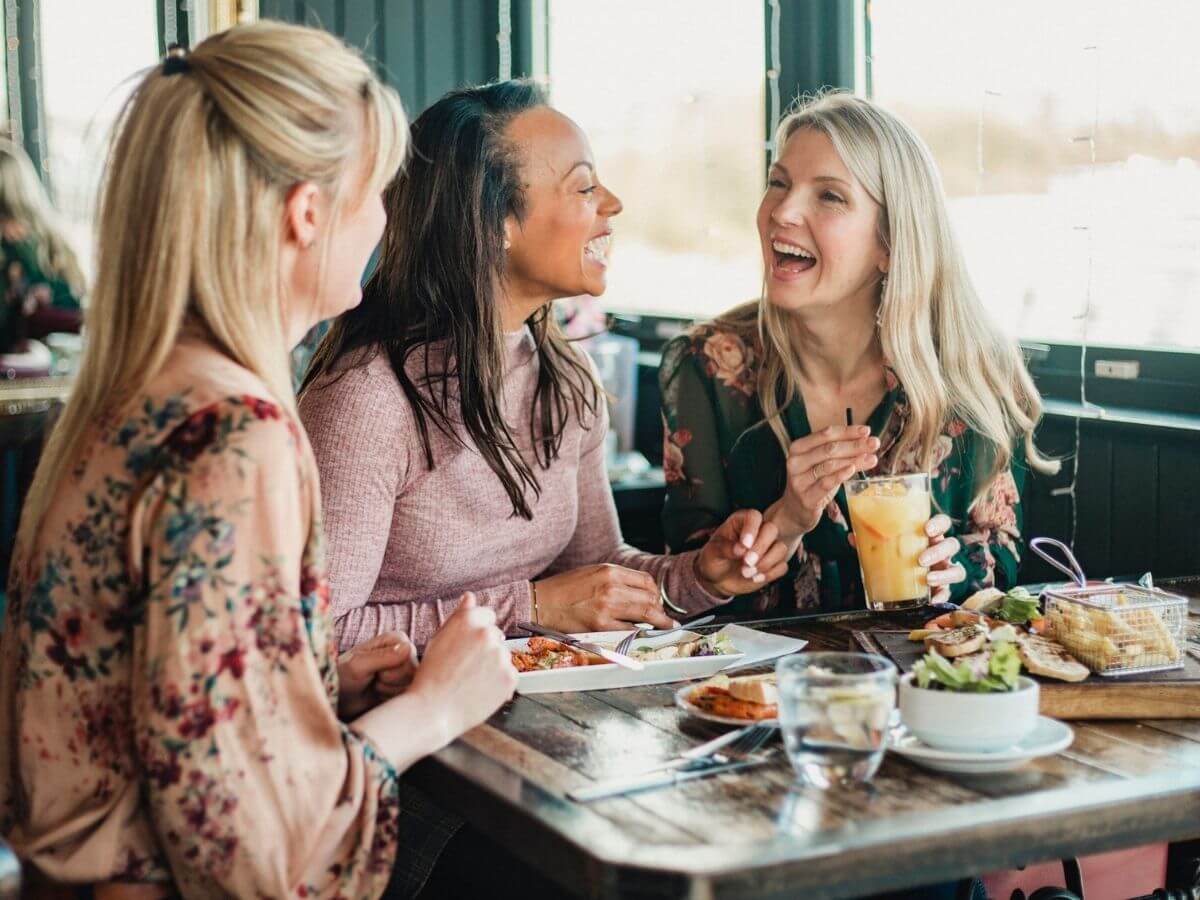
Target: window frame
1168 381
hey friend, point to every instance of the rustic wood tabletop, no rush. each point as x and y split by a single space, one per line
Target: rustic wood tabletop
760 834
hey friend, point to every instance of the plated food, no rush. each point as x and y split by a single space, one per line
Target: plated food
544 653
1107 630
983 647
718 644
750 698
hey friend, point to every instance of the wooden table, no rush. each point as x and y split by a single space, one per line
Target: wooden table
759 834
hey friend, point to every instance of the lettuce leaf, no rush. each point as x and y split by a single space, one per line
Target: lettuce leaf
966 675
1018 607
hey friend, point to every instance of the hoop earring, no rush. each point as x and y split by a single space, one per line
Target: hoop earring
879 308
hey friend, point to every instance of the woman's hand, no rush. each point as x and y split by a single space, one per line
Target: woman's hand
741 556
467 672
373 671
600 598
817 466
943 572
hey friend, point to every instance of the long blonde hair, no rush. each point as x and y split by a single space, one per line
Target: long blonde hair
950 357
24 202
192 211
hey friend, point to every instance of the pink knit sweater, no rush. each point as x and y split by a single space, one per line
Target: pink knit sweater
405 541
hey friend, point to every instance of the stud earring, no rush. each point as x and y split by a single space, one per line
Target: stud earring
507 243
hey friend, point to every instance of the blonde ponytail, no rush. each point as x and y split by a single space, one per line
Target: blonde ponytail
192 210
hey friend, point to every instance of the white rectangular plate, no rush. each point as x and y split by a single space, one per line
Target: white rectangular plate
753 646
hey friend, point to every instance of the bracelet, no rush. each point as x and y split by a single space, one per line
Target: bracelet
537 618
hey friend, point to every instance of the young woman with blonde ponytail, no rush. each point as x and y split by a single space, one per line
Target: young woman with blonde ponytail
169 687
867 305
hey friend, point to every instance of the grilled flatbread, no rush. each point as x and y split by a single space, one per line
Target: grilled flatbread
1047 658
958 642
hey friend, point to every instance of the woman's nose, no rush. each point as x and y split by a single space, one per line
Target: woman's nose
611 204
788 212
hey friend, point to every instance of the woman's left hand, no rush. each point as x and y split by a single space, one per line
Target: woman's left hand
742 556
373 671
943 571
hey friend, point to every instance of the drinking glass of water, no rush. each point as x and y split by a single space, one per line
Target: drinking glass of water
834 712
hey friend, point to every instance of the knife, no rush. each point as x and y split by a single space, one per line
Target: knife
618 786
619 658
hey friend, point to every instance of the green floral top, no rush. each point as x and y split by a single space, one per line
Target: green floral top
719 456
168 678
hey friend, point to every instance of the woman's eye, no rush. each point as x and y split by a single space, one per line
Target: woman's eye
832 197
589 190
775 183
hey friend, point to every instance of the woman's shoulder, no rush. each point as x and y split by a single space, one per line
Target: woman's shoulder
725 350
360 385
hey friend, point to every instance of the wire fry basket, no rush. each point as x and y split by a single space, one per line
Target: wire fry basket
1113 629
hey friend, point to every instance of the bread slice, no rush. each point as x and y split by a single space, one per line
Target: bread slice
984 601
1048 658
959 642
754 691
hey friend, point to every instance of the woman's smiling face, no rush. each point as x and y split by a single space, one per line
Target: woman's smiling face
818 228
560 247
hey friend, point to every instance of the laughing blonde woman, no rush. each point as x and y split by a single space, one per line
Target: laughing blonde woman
176 720
867 306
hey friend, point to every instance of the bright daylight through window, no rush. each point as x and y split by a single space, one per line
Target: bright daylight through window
110 41
673 104
1038 222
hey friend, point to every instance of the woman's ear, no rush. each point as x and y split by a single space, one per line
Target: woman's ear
303 214
510 228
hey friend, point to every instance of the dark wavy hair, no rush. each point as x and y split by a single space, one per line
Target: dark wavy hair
441 259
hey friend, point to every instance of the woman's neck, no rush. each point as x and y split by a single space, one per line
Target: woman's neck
517 306
836 346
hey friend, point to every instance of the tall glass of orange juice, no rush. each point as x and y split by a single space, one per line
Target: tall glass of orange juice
888 515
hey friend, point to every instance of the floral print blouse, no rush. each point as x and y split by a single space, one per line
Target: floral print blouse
719 456
168 684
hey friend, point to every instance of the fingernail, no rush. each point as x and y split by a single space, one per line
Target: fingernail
747 572
923 559
759 578
748 540
751 559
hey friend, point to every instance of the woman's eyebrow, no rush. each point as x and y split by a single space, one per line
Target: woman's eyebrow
582 162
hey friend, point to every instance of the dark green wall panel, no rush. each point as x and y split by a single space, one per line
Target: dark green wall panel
423 48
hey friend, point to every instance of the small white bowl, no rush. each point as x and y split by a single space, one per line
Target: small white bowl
974 723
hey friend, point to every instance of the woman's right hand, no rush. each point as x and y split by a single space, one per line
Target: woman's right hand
817 466
467 672
600 598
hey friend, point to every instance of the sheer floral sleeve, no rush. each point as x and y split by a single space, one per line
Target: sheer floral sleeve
254 787
697 499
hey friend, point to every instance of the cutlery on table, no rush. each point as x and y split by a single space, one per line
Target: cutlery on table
619 658
627 642
727 753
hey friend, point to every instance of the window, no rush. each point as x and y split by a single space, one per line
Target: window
672 102
90 51
1007 95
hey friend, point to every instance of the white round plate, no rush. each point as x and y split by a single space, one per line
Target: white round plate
683 701
1048 736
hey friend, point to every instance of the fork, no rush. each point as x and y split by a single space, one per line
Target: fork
627 642
738 751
